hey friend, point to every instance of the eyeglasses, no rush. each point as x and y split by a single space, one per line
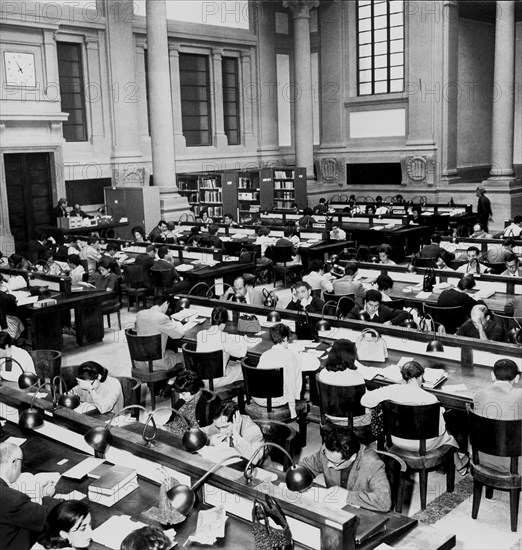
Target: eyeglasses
23 461
335 464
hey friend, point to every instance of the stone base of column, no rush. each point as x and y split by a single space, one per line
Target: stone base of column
450 177
221 141
172 204
505 194
7 245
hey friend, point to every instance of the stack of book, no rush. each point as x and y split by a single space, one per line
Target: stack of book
112 486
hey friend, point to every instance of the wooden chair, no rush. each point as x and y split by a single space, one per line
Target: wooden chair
281 256
113 304
209 366
345 303
424 262
47 363
283 435
499 438
269 384
450 317
130 387
396 470
418 422
147 349
162 280
134 288
496 267
340 401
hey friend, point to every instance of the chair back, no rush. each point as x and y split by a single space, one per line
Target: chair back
207 364
281 434
331 297
69 375
47 363
144 348
411 422
130 388
496 267
396 303
263 383
133 275
212 403
342 401
424 262
451 317
281 254
495 437
161 278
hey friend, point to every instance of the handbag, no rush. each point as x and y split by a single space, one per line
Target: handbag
371 346
248 323
246 256
429 280
269 298
267 537
304 329
377 421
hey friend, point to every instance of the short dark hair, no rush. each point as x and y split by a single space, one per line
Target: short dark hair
517 219
90 370
261 231
5 340
350 268
227 409
63 517
228 216
509 242
316 265
435 238
188 380
219 315
467 282
162 222
107 263
416 208
342 440
342 356
384 282
163 251
138 229
74 259
510 258
473 249
146 538
213 229
373 296
303 283
386 248
93 239
411 369
112 247
150 248
289 231
279 332
505 369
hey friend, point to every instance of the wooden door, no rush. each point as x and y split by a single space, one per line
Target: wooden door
29 194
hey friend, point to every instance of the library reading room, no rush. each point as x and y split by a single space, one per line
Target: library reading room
260 274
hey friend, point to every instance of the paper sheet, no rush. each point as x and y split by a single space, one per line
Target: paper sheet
210 526
83 468
114 530
15 440
85 408
73 495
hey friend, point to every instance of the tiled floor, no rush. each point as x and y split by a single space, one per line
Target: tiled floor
491 530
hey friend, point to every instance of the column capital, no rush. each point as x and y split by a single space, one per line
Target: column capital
174 49
300 8
50 37
246 54
217 53
91 42
141 45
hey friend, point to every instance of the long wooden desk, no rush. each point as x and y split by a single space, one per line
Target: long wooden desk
466 360
327 527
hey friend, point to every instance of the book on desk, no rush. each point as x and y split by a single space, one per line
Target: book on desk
432 377
113 485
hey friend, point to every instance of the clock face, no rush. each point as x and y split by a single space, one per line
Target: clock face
19 69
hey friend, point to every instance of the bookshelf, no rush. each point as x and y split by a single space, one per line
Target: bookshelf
244 193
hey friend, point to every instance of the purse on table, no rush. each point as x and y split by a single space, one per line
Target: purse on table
248 323
267 537
371 346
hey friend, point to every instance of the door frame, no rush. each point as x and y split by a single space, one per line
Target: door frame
56 167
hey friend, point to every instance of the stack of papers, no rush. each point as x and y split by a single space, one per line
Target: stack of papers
184 267
114 530
184 314
83 468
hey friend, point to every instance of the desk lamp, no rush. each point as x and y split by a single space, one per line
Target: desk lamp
339 312
100 437
323 324
226 288
434 346
201 283
514 335
183 498
182 303
193 439
273 316
65 399
298 477
32 418
26 379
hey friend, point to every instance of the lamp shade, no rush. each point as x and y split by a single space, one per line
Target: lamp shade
26 379
323 324
69 401
297 477
273 317
183 303
434 346
32 418
193 438
183 498
514 336
409 323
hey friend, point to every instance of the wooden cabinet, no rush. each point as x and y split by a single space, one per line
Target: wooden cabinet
140 205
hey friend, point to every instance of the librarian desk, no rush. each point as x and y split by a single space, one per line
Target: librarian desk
43 453
46 322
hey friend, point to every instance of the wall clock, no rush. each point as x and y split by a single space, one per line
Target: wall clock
20 69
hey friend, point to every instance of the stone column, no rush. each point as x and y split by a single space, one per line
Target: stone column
180 142
141 78
160 110
450 95
504 104
126 152
92 46
216 91
304 141
245 80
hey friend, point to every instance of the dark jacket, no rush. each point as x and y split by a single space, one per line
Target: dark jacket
315 306
58 212
366 481
21 520
7 304
383 315
452 297
146 262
